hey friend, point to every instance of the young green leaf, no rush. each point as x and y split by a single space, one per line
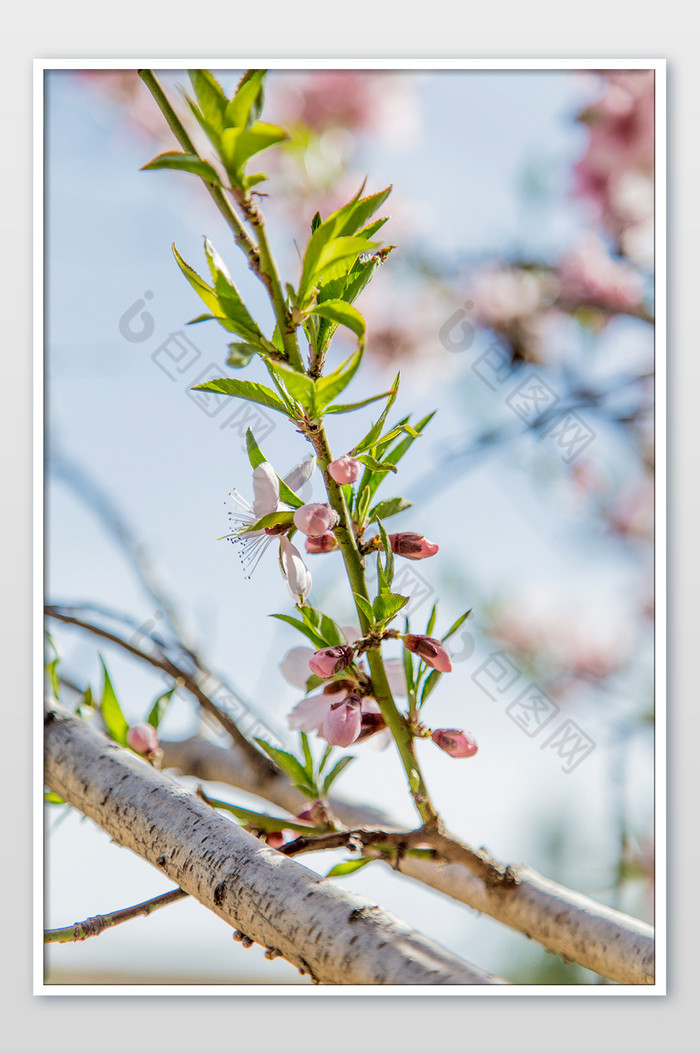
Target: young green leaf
349 407
328 387
159 707
201 287
457 625
53 798
240 354
211 98
342 314
374 465
431 621
388 605
180 162
327 629
273 519
244 389
246 105
286 761
112 715
310 633
390 507
429 685
365 606
348 867
335 771
260 821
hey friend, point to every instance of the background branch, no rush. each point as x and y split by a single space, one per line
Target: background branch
333 935
83 930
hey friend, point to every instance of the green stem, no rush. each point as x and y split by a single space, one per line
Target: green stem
215 192
352 558
267 267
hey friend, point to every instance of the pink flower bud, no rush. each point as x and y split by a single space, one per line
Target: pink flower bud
314 520
430 650
325 543
345 470
455 742
330 660
412 546
142 738
342 723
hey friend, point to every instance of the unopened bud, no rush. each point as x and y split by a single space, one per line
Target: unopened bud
455 742
430 650
412 546
341 725
325 543
345 469
315 519
142 738
330 660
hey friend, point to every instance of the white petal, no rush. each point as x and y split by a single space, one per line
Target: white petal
294 667
294 570
301 474
308 715
396 676
266 490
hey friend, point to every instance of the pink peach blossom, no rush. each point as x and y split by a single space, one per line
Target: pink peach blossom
315 519
455 742
345 469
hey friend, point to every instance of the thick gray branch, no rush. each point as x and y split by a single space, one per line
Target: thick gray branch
606 941
334 936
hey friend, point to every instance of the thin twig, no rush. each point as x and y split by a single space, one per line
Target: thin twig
83 930
180 675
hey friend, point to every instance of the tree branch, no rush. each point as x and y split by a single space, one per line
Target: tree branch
333 935
83 930
563 921
160 661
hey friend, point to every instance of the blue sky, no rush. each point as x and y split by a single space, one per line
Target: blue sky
170 466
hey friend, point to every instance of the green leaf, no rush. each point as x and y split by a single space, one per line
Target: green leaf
327 629
288 763
231 305
308 755
335 771
255 454
310 634
273 519
239 355
204 290
349 407
211 98
390 507
328 387
238 145
388 554
363 504
388 605
300 387
342 314
244 389
260 821
431 621
112 715
375 431
246 104
53 798
457 625
348 867
159 707
365 606
429 685
374 465
180 162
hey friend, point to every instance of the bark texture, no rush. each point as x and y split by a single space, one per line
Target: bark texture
333 935
608 942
